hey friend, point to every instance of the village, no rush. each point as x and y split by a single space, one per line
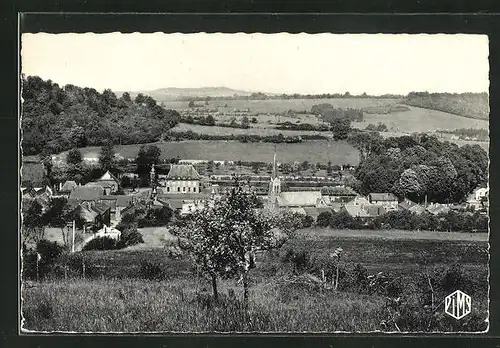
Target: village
102 203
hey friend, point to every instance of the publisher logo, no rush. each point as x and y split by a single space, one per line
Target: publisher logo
457 304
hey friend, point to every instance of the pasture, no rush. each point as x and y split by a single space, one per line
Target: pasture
338 152
279 106
258 129
118 297
421 120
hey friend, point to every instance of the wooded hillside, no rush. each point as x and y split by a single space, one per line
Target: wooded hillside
55 119
473 105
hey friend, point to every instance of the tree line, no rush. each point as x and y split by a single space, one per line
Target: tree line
56 119
452 221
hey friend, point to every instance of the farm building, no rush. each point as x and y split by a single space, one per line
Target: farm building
388 200
66 188
436 209
185 203
109 183
86 193
300 199
117 204
478 199
411 206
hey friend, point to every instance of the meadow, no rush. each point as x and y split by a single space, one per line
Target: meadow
421 120
118 295
338 152
259 129
279 106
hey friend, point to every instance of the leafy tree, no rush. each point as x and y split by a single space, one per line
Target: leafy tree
223 238
191 104
409 184
33 227
106 157
147 156
140 98
59 214
245 123
126 97
324 218
254 120
74 157
340 128
210 121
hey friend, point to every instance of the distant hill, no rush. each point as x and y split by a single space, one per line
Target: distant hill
173 93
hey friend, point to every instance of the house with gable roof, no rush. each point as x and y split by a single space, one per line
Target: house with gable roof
109 183
67 188
388 200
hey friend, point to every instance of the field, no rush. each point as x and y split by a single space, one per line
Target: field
322 151
259 129
278 106
119 298
421 120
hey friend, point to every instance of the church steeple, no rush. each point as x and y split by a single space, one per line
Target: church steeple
274 185
275 171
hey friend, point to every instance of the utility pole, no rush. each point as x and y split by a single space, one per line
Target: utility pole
73 238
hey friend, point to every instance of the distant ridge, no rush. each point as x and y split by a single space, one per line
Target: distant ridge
172 93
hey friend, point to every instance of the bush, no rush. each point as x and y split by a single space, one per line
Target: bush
299 254
101 243
152 271
307 221
324 218
129 236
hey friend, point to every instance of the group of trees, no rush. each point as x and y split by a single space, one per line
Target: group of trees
242 138
418 166
58 214
303 127
473 105
380 127
329 113
56 119
474 133
451 221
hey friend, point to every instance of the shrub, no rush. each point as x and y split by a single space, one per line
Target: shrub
129 236
307 221
299 254
101 243
324 218
49 252
152 271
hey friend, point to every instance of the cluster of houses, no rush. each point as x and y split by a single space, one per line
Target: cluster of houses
184 190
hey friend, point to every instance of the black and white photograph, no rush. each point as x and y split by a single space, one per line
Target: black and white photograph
254 183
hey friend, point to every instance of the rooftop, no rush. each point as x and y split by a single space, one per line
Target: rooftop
87 193
183 172
382 197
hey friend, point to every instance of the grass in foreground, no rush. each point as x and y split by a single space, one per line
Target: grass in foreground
185 305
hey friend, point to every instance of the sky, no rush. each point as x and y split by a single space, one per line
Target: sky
273 63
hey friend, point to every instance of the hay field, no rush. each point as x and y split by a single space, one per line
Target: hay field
322 151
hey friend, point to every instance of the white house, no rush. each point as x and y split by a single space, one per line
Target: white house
181 179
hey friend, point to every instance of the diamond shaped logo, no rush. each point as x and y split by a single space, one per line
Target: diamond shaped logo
457 304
